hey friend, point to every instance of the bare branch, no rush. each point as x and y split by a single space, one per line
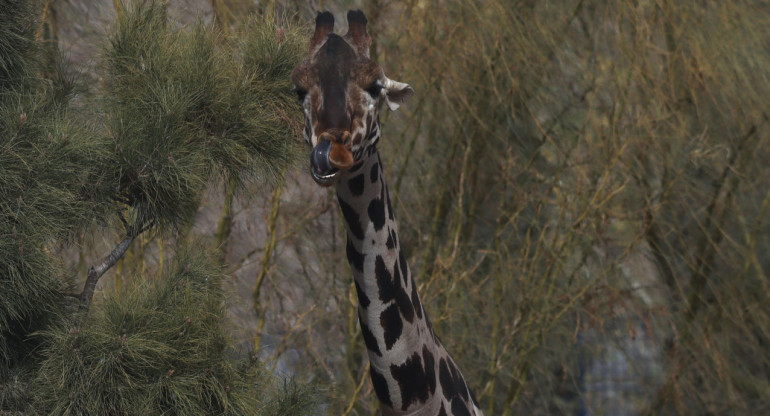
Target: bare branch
94 273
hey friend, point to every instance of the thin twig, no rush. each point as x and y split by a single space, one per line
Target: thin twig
270 243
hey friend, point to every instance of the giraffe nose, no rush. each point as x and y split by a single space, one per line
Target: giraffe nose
321 168
331 155
319 158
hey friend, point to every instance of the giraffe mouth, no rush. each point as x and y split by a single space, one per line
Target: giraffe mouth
321 168
325 179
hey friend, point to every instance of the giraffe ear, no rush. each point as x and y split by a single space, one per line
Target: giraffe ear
396 93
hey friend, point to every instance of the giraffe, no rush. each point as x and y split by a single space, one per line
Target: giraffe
341 90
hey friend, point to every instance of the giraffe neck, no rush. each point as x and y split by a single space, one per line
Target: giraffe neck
411 371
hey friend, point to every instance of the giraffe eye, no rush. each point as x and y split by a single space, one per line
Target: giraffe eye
374 89
301 93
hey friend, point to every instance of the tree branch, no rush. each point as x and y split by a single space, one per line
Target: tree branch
94 273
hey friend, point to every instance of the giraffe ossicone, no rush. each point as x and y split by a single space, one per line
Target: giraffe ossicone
341 91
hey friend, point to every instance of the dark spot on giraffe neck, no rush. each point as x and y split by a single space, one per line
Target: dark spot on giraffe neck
459 407
446 380
352 219
376 213
356 184
404 303
391 288
387 290
452 383
363 300
412 381
369 339
380 387
355 258
442 412
390 320
374 174
430 368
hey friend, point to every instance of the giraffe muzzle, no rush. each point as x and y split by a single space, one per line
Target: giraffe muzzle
331 156
320 167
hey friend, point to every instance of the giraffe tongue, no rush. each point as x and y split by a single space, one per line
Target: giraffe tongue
320 166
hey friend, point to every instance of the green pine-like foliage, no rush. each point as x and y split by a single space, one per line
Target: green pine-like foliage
51 165
180 107
160 349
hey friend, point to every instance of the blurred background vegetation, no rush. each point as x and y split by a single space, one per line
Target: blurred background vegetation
579 184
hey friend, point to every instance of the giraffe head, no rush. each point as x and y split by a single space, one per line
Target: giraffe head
341 91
